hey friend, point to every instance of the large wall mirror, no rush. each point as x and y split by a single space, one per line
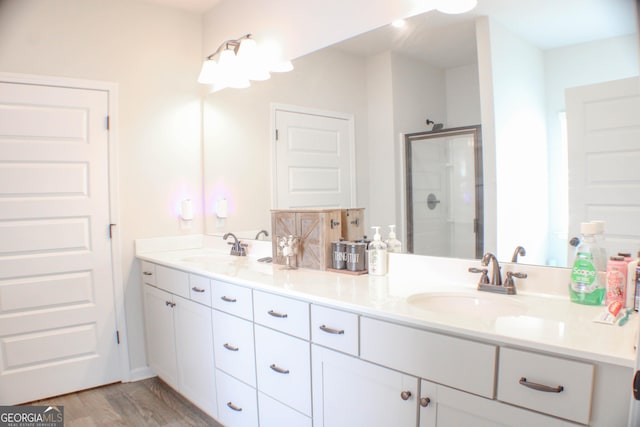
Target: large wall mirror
504 66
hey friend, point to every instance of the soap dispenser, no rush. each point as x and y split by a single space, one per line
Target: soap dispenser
393 244
377 255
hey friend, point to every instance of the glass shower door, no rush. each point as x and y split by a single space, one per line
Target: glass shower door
444 193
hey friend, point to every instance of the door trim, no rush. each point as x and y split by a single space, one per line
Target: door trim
114 197
350 118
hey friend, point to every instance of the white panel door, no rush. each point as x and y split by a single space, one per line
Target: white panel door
57 317
603 128
314 161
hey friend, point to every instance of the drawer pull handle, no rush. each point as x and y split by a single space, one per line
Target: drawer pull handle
147 273
197 289
234 407
278 315
424 401
227 299
279 369
230 347
540 387
331 330
405 395
170 304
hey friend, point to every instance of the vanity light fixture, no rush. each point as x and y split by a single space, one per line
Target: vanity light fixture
239 61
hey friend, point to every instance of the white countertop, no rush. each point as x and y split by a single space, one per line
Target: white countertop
531 319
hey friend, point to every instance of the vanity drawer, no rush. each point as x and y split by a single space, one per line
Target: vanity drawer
233 346
171 280
455 362
231 299
335 329
547 384
237 402
281 313
275 414
200 289
148 273
283 368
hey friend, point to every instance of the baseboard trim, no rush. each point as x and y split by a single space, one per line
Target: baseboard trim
141 374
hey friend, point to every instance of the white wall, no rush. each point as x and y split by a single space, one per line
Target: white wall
520 142
153 53
463 96
381 152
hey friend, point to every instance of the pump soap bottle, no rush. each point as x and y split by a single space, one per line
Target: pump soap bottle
393 244
586 286
377 255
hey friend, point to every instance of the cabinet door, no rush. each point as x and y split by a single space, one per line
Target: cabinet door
350 392
194 341
428 402
160 336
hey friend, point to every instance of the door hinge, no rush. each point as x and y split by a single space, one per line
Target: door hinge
277 135
118 337
475 225
111 230
107 122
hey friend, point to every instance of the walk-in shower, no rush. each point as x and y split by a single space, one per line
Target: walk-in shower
444 192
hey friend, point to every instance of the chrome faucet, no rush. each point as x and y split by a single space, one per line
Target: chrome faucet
265 232
496 277
518 251
495 284
237 247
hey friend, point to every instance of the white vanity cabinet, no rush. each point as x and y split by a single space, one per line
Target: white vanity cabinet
179 338
282 361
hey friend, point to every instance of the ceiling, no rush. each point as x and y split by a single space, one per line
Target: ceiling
449 41
197 6
430 36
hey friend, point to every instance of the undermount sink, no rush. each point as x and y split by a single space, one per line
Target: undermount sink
206 258
467 303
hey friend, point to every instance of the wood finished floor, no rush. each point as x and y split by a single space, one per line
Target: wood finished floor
148 402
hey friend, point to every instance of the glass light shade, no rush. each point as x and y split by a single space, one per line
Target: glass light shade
250 60
208 72
231 74
273 58
456 6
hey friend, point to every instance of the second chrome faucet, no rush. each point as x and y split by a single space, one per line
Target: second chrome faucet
495 284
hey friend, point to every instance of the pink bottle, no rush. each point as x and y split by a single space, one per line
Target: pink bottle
616 280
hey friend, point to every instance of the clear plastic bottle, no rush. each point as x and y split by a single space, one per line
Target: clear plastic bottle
393 244
599 236
377 255
586 286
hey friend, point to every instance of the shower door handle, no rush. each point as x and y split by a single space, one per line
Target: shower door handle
432 201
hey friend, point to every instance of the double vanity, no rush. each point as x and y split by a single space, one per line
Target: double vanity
254 344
